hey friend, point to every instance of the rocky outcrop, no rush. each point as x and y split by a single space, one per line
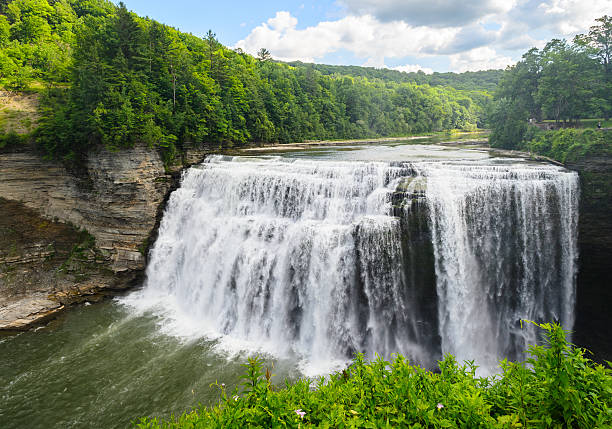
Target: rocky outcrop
45 266
117 199
21 314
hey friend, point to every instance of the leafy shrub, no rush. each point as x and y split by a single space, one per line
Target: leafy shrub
12 140
571 144
556 387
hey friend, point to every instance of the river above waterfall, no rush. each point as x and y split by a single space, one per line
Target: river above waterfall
307 257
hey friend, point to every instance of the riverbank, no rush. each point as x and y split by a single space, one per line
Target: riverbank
45 266
271 147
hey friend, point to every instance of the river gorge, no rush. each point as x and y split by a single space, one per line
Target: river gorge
307 257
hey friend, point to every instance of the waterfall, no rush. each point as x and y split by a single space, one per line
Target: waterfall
506 250
322 259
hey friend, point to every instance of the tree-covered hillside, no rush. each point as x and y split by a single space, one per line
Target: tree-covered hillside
114 78
469 81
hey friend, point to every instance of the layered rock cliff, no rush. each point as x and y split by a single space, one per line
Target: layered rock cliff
44 266
116 200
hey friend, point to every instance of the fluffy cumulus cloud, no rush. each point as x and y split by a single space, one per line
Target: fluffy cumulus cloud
468 35
433 13
565 17
483 58
364 36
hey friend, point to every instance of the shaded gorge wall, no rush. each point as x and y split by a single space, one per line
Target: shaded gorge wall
594 288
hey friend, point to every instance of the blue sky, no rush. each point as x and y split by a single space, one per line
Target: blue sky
231 21
432 35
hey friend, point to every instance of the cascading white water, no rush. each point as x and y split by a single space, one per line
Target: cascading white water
505 243
302 256
323 258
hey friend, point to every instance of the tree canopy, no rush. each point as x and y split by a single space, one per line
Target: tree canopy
485 80
563 82
114 78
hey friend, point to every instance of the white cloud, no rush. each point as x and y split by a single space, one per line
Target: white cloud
434 13
413 68
448 31
469 37
571 17
282 21
563 18
365 36
483 58
377 62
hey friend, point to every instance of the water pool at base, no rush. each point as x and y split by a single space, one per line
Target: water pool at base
102 366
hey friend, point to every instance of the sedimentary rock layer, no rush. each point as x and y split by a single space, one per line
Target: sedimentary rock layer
115 198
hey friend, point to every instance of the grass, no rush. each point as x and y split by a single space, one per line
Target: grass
592 123
568 145
18 112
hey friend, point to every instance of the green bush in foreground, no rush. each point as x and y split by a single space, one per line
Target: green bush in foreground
557 387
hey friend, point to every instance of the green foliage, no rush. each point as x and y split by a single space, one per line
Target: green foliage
36 38
571 144
115 79
594 123
12 140
468 81
556 387
510 118
562 82
598 43
264 55
566 83
5 31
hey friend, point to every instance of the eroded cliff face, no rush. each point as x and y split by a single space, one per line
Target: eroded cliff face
45 266
117 201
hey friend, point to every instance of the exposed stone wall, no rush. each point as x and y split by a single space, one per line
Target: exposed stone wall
118 199
117 203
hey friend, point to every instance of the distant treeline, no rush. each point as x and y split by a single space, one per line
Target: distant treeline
113 78
564 82
469 81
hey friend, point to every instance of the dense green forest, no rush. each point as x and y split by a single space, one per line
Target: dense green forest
563 82
468 81
112 78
